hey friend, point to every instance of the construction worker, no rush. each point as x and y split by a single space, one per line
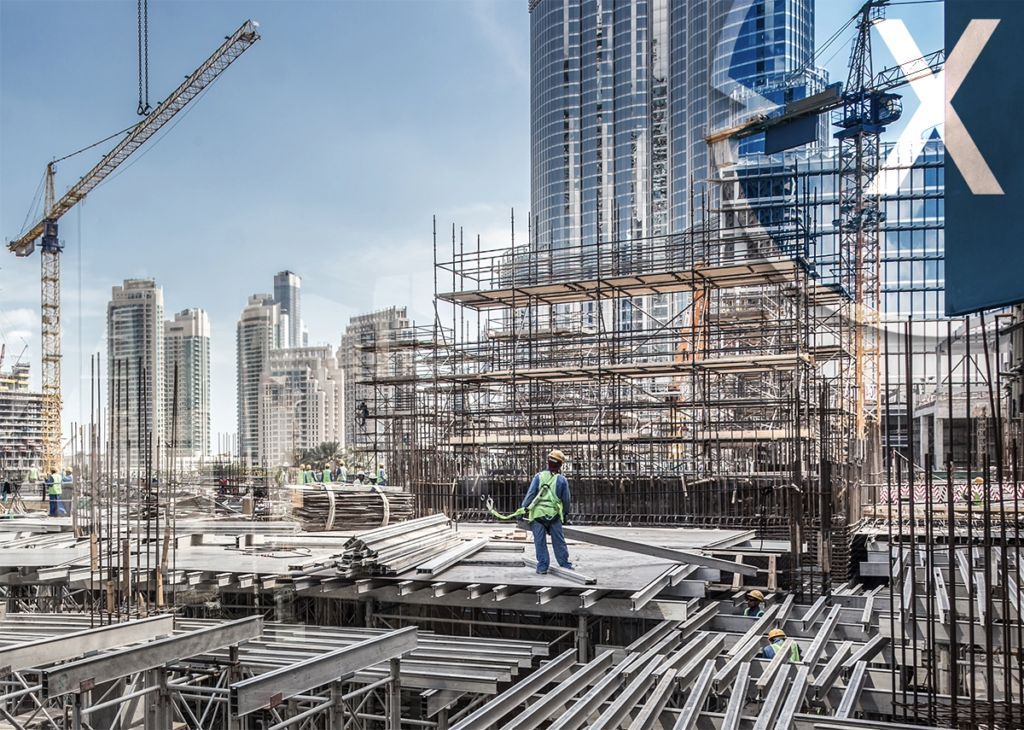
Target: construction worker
53 488
326 476
382 477
68 483
776 638
978 494
342 474
360 478
547 505
755 604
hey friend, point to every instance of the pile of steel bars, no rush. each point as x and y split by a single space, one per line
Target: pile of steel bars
393 549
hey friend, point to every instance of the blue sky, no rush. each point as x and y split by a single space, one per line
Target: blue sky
325 149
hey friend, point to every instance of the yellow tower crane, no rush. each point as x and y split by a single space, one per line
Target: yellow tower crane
46 229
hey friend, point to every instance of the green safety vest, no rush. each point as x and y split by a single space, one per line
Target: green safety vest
54 484
794 650
327 474
33 475
344 474
380 475
546 503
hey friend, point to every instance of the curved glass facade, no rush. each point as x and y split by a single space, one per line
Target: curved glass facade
623 92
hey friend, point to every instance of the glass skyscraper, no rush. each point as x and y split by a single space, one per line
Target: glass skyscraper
623 93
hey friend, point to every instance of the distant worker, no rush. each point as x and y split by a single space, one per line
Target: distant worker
362 413
68 483
979 492
53 487
342 474
360 478
382 477
755 605
776 639
327 474
547 506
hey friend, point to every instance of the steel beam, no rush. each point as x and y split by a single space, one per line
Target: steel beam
540 711
270 689
72 677
813 612
737 699
868 651
654 551
30 654
758 629
508 700
795 699
853 690
817 647
824 681
556 570
655 703
771 702
691 709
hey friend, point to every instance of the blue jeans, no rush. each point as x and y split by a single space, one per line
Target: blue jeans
540 544
56 506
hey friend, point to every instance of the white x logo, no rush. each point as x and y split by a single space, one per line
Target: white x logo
935 96
929 90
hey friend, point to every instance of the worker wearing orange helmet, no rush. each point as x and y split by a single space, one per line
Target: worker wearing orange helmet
755 604
547 505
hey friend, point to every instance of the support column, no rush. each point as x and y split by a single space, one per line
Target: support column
582 640
395 696
336 716
159 715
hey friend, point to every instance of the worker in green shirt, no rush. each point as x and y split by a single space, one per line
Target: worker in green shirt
776 639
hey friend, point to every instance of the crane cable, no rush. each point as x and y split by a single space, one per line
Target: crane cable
143 25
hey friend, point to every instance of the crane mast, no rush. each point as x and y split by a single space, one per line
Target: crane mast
862 118
46 230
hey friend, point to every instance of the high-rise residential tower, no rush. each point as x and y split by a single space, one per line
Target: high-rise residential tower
187 348
287 293
623 93
258 332
135 353
302 402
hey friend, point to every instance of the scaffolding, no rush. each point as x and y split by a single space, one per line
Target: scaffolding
702 378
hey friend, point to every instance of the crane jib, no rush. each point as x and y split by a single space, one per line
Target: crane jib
202 77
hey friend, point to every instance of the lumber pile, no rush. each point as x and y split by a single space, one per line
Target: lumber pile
397 548
348 507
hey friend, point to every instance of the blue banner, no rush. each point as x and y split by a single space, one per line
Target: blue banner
984 181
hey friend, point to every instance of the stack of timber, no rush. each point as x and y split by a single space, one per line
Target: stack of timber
397 548
348 507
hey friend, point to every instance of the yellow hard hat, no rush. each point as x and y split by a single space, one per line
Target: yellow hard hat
68 470
557 455
756 594
979 480
341 463
776 634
